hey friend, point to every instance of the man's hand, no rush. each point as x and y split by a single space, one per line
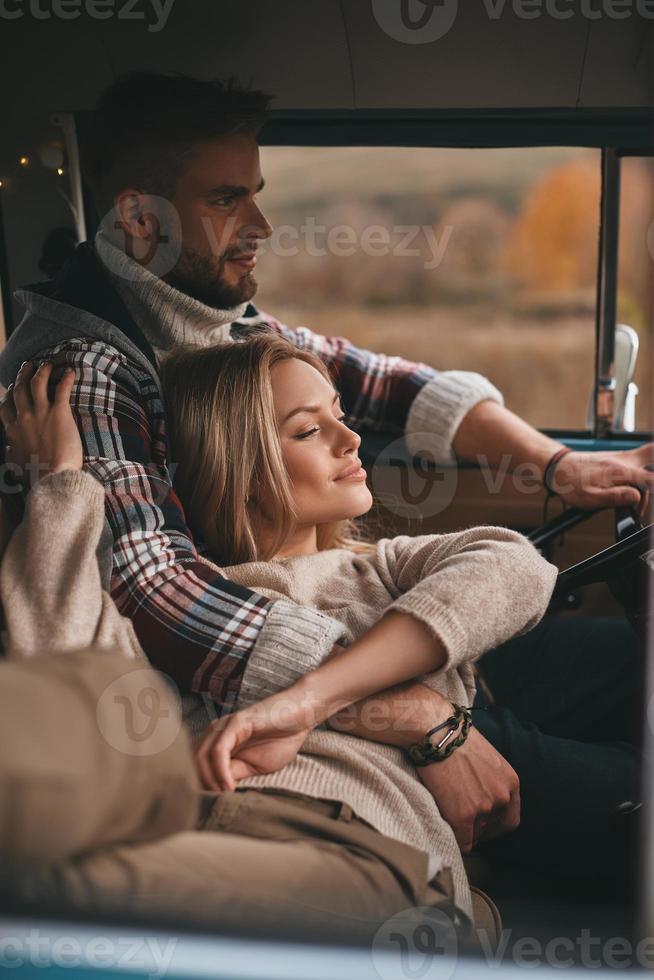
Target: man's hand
477 791
492 436
610 479
41 435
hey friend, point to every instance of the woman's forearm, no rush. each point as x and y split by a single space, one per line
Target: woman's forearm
49 576
397 648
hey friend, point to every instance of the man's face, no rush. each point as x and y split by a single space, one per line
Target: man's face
222 226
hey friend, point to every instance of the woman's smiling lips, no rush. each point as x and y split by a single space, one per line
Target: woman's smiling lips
353 472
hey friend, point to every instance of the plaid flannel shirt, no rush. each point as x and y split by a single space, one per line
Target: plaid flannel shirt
193 624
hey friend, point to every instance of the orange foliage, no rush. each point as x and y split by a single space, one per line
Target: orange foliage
553 244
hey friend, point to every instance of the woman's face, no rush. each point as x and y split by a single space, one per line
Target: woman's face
320 452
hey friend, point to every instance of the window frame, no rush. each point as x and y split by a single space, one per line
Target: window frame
617 133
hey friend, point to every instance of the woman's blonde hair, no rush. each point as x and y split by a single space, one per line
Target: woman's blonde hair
227 449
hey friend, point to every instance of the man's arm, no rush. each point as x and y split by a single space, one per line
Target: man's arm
493 584
476 790
493 436
207 633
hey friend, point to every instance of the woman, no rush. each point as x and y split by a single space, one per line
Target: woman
270 478
274 492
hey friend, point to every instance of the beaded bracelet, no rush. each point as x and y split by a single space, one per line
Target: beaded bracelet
425 754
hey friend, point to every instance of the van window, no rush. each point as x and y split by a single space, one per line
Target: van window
476 259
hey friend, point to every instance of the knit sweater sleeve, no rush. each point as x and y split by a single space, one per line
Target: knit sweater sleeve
473 589
52 597
439 408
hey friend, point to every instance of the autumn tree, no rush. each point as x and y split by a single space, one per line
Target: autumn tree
553 243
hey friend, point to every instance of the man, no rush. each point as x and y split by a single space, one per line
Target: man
174 167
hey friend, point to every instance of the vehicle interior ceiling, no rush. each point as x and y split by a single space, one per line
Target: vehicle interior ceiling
341 81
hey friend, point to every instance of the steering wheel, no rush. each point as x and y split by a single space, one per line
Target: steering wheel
632 542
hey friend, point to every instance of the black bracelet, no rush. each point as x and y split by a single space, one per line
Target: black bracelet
548 472
425 754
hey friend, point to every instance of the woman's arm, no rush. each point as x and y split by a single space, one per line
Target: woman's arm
268 735
475 588
476 790
459 595
49 577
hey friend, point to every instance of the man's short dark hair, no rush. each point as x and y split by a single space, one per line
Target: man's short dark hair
145 126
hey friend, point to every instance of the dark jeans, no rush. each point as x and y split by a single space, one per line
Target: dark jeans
567 717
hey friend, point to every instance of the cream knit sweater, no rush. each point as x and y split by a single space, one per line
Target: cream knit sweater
472 589
52 598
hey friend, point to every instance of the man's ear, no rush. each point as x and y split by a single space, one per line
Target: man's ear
131 214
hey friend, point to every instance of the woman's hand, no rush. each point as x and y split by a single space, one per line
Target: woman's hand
257 740
41 435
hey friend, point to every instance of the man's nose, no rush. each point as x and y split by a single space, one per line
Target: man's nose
258 225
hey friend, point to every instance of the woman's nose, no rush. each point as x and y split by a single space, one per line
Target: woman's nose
350 441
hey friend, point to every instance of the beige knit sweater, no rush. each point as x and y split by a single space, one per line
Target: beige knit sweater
52 599
472 589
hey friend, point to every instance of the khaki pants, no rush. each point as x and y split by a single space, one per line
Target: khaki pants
265 866
262 863
92 753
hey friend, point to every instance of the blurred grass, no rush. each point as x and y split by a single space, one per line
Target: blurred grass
529 330
543 366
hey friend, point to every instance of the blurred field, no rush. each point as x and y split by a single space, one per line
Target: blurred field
543 368
512 293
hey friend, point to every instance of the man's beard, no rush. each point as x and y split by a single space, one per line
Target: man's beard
196 275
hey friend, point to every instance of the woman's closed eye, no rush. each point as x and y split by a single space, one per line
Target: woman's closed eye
310 432
305 435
